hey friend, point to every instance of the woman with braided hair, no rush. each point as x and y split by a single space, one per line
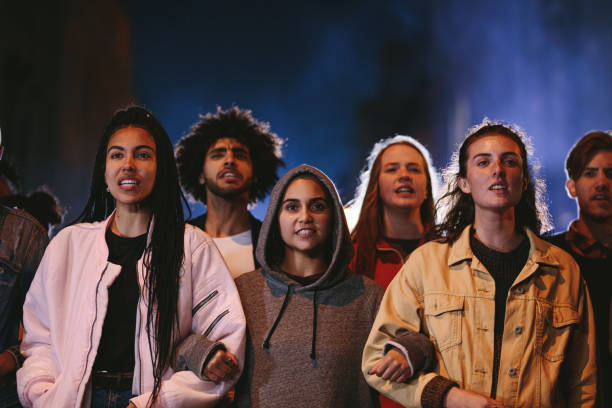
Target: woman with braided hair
117 291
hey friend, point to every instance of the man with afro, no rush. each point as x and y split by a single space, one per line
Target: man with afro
228 161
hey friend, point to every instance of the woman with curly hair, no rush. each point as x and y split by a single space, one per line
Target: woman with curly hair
508 313
116 292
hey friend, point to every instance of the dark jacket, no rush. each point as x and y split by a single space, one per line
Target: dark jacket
22 244
596 273
305 342
200 222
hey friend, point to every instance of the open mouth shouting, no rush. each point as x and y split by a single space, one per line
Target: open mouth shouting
405 189
601 197
230 176
128 184
498 188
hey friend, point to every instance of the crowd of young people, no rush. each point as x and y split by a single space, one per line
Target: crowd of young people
132 306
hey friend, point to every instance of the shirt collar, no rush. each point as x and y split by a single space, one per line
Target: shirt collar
582 241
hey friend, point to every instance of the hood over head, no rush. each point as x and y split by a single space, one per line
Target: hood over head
271 248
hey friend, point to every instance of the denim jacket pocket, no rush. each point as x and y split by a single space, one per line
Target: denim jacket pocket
555 327
444 313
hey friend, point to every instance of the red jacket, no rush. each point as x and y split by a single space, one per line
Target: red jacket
388 263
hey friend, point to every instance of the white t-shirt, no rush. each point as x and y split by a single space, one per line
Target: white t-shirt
237 250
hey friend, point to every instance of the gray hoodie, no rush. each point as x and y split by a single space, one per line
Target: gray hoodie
305 341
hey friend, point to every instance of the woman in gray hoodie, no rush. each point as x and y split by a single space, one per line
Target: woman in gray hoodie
308 316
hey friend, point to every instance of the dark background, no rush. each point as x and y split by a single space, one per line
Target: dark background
330 77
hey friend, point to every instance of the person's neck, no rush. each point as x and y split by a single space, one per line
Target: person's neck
226 217
301 264
402 223
496 230
131 220
601 230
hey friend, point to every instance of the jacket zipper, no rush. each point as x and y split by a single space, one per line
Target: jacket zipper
92 328
207 299
214 323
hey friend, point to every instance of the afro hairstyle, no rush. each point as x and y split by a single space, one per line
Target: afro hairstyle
234 123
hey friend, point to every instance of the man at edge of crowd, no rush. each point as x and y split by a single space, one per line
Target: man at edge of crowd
22 244
589 238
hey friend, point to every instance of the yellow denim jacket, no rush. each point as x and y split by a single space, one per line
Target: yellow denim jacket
548 347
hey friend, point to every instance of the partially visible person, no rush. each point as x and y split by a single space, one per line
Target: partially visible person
41 204
229 161
22 244
509 313
9 180
395 206
589 238
116 292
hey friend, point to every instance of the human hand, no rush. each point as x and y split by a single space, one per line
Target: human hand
393 367
7 364
222 366
459 398
131 405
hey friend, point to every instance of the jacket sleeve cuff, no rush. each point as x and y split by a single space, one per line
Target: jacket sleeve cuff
14 352
141 400
194 353
393 344
435 391
36 389
417 348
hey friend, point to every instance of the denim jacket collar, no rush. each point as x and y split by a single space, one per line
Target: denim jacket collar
538 253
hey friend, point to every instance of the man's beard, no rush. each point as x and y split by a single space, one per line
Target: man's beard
228 192
594 218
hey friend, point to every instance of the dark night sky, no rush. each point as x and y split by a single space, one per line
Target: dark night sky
309 69
302 69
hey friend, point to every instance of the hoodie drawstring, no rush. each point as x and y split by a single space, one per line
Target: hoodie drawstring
315 312
266 343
